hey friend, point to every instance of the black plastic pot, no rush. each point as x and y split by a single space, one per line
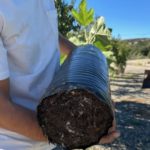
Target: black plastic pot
84 75
86 68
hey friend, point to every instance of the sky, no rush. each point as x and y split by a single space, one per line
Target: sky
128 18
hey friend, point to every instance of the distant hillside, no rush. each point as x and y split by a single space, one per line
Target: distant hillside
137 40
139 48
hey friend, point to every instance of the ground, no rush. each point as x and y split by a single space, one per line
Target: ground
132 105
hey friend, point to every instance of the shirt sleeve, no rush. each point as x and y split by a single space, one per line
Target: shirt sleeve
4 71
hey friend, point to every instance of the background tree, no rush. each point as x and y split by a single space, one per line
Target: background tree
121 51
66 21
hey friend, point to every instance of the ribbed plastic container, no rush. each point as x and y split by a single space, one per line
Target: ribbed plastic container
84 70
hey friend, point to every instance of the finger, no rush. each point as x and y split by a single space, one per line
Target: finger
110 137
113 128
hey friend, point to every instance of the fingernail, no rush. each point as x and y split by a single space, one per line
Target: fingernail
117 134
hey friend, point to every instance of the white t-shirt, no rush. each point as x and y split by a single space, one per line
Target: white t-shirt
29 56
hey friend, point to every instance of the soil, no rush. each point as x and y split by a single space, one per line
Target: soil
74 119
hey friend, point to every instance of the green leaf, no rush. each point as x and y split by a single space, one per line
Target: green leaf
100 45
103 38
77 16
99 28
108 54
62 58
98 25
83 16
77 41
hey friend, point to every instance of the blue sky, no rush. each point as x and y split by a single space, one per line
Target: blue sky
127 18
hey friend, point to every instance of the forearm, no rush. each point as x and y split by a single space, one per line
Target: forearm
65 46
19 119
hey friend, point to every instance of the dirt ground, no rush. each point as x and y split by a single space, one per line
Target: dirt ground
132 105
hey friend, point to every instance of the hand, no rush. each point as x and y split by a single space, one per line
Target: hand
111 136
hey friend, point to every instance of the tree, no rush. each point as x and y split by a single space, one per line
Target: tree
93 30
66 21
121 52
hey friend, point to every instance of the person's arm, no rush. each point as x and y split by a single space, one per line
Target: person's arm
65 45
17 118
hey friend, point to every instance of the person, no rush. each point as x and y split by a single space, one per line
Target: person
29 58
